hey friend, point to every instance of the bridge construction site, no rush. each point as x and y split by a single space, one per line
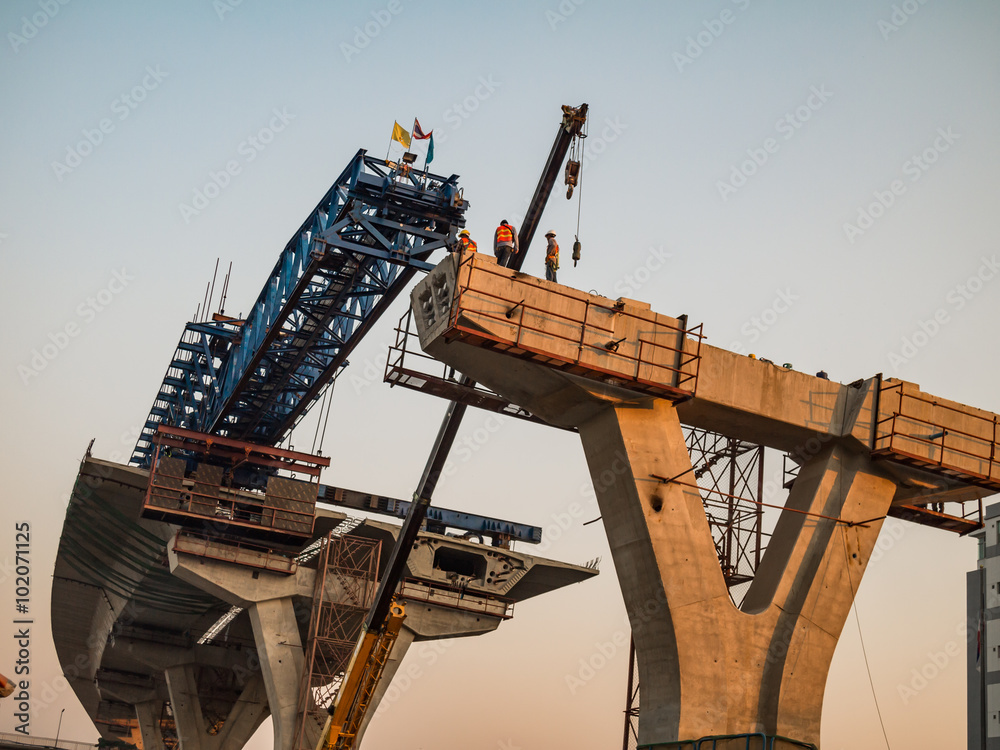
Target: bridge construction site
215 581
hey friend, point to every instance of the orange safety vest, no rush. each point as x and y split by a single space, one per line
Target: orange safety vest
468 244
552 253
505 233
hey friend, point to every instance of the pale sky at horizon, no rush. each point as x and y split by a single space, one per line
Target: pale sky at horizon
814 182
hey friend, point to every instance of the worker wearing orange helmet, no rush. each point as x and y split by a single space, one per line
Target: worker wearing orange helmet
551 256
465 242
505 243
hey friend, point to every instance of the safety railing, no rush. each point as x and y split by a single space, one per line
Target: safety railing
407 366
686 364
456 598
949 450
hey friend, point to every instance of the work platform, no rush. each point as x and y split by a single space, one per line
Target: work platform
626 378
147 615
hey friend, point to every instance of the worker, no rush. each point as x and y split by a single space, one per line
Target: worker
505 244
465 242
551 256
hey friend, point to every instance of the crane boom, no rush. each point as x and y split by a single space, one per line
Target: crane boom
571 126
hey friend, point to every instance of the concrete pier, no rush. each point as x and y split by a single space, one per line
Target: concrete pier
627 378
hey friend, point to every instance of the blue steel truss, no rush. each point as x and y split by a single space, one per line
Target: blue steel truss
253 379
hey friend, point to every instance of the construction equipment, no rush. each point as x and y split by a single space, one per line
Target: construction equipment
381 625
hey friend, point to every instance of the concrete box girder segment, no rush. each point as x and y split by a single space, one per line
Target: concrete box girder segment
706 667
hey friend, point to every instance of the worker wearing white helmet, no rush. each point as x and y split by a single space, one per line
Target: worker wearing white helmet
465 242
551 256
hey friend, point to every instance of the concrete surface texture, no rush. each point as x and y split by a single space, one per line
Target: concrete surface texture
627 379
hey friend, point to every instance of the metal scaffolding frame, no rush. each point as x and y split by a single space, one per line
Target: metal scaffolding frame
346 581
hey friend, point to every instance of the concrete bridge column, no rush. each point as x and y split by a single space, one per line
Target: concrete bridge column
148 714
245 717
706 667
182 684
279 647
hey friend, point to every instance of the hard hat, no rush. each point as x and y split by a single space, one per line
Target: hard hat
464 233
550 233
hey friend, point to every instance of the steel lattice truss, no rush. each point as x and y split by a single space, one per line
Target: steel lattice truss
253 379
730 474
346 581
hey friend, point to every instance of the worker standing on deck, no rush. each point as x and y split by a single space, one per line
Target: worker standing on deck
505 244
551 256
465 241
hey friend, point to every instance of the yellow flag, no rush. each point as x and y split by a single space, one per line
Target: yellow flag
398 134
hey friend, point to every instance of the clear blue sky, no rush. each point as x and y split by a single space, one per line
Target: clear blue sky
842 156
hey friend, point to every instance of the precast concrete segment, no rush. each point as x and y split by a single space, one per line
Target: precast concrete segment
276 635
493 324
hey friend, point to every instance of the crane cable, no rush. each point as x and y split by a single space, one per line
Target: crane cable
857 619
576 150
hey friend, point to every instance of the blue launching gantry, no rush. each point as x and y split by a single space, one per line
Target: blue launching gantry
253 379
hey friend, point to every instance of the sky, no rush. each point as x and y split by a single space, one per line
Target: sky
814 182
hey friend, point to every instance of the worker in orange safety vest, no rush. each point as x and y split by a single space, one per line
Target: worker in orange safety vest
465 242
551 256
505 244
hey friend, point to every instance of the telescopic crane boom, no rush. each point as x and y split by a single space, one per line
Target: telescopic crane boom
381 626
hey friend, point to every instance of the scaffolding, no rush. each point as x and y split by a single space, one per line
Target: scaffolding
346 581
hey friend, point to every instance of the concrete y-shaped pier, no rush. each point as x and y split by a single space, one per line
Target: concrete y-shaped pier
627 378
